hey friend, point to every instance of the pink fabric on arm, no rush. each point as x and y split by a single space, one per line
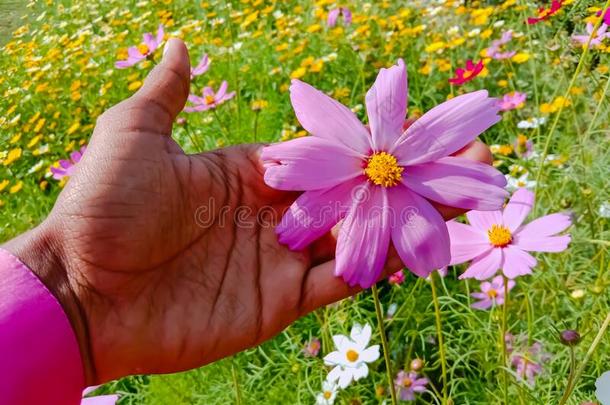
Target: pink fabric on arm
40 361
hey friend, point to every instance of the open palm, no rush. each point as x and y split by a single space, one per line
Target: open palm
172 259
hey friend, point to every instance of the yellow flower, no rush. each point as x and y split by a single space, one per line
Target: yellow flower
502 83
435 46
16 188
133 86
15 139
34 141
12 156
297 74
39 125
258 105
521 57
75 126
314 28
3 184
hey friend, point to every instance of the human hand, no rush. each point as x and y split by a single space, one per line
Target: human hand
148 284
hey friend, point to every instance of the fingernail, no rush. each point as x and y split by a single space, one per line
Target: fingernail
166 48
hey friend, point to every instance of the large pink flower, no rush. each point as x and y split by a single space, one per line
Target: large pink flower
379 181
136 54
499 240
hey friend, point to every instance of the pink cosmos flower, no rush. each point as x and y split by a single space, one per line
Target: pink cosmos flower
596 38
465 75
523 146
202 67
67 166
333 15
512 101
491 293
408 384
494 50
528 364
312 348
210 99
378 181
136 54
498 240
397 278
546 13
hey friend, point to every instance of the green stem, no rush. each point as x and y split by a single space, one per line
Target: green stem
581 368
384 343
564 398
503 332
255 126
581 62
235 384
594 118
439 333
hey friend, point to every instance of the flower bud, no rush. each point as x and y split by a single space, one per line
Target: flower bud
569 337
417 364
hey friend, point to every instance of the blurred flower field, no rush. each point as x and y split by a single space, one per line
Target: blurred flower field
538 339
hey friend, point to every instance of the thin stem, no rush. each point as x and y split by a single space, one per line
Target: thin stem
564 398
439 333
597 109
223 128
384 343
235 384
565 97
592 348
255 125
503 332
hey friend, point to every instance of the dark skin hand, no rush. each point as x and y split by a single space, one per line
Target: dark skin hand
150 282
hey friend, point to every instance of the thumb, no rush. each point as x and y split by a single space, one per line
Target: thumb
166 88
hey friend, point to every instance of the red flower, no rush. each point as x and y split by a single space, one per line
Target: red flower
545 13
465 75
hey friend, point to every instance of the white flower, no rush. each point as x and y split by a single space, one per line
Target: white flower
604 210
351 356
602 391
328 394
522 181
531 123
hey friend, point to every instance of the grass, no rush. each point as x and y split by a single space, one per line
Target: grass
61 66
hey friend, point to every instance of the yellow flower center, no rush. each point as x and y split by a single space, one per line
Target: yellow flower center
327 394
143 48
499 235
383 170
492 293
209 100
407 382
352 355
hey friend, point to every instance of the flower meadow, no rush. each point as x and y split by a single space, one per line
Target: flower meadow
509 303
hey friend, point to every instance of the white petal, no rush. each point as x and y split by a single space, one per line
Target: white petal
361 371
371 354
334 358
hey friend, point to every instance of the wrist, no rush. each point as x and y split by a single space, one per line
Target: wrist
42 251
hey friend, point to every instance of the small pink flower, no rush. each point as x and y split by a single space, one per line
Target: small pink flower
137 54
494 50
596 38
606 16
528 364
377 179
546 13
512 101
67 166
333 15
491 293
312 348
210 99
397 278
498 239
465 75
202 67
408 384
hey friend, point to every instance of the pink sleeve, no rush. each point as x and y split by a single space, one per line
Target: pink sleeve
40 360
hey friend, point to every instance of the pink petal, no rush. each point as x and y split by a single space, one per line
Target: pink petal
326 118
386 106
467 242
483 220
364 238
479 295
517 262
484 266
458 182
160 35
150 42
447 128
483 304
547 225
419 233
309 163
543 244
100 400
314 213
332 17
517 209
222 89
